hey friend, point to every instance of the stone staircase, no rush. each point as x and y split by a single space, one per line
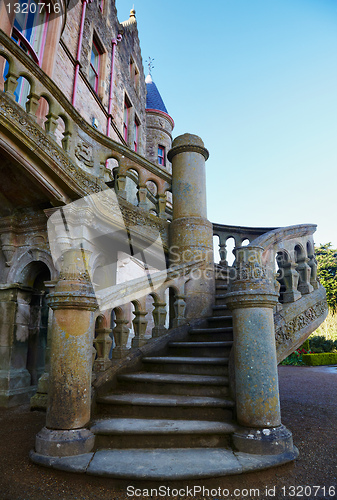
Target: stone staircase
177 405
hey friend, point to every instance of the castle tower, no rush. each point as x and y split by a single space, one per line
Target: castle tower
159 126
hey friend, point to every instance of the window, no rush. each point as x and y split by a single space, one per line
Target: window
135 135
94 67
126 114
134 74
161 155
30 28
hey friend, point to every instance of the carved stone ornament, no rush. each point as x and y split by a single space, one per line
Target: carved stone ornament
286 331
83 152
65 168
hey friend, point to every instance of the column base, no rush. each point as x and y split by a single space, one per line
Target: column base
264 441
138 342
64 443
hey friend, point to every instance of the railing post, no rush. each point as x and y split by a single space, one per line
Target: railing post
51 124
102 345
312 263
179 310
121 334
161 203
304 271
159 317
10 85
32 104
190 231
251 298
69 400
142 197
139 326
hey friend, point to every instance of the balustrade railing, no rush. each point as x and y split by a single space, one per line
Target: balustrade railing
54 124
152 318
238 233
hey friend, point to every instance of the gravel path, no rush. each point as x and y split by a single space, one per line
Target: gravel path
309 409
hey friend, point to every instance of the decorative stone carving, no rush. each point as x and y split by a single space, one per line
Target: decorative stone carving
284 332
83 152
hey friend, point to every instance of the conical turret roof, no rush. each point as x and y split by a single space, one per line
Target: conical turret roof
153 97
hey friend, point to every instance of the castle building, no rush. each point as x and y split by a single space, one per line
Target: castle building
114 318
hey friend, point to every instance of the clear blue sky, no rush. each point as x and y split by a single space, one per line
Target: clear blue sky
257 81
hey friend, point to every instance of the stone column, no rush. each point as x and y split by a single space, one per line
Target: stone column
191 234
252 296
69 399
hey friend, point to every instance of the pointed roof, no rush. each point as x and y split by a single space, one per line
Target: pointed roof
153 97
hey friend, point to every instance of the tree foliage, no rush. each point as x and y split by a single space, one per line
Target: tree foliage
327 272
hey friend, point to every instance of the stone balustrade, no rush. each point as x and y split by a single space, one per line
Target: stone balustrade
51 126
238 233
153 315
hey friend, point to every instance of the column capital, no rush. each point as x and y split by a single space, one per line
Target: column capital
187 143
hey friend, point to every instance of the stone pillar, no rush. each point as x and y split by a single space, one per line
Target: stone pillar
252 297
15 379
191 234
69 399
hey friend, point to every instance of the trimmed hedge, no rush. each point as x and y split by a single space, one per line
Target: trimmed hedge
325 358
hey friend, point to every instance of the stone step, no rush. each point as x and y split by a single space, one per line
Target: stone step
220 299
220 310
202 348
134 405
208 330
171 383
165 464
221 287
187 365
119 433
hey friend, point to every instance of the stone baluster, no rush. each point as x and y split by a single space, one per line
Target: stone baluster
312 263
179 310
10 84
102 343
304 272
190 231
288 277
121 184
121 334
66 141
223 250
161 204
51 124
251 298
142 197
159 316
69 400
139 326
32 104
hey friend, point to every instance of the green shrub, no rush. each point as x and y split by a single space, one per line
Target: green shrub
320 344
326 358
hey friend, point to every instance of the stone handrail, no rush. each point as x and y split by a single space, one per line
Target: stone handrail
238 233
78 147
287 255
146 324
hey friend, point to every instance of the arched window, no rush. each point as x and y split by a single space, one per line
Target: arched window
30 27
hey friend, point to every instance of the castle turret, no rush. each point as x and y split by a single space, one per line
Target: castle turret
159 126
